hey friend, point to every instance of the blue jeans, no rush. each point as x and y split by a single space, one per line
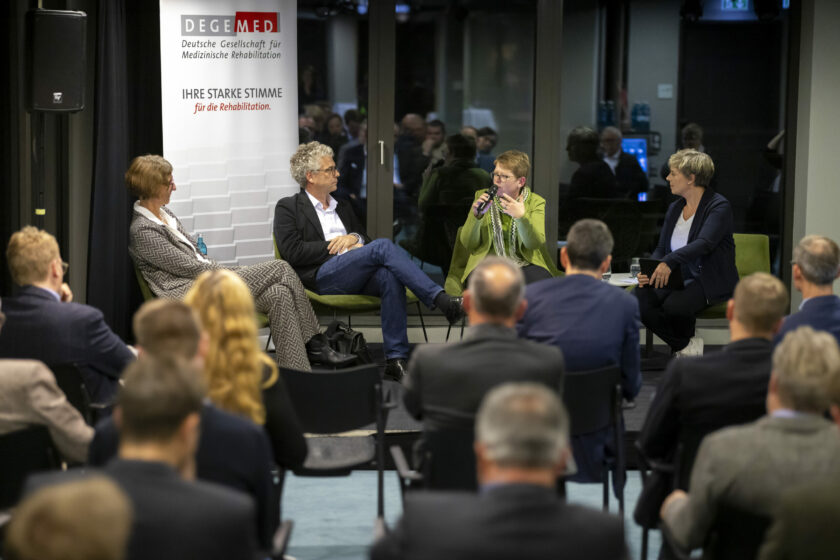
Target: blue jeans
380 269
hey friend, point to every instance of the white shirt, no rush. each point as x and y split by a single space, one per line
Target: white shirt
679 238
331 224
172 224
612 160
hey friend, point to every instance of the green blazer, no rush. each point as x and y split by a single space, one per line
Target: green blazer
476 236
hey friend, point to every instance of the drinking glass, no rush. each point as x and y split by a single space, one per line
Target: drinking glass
635 268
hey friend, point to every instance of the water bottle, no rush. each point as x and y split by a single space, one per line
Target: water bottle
202 247
635 267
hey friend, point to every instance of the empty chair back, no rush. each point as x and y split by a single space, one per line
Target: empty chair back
591 399
449 463
69 380
21 453
329 402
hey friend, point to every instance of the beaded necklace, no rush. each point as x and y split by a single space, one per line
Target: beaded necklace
498 232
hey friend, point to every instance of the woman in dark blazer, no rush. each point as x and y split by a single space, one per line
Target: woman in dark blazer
696 238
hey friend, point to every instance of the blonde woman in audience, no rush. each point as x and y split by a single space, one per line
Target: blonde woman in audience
240 378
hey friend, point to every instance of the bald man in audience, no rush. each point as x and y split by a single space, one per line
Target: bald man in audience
748 467
44 324
629 175
719 389
521 445
30 396
816 265
446 382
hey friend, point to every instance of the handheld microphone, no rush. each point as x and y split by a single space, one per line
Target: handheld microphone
491 190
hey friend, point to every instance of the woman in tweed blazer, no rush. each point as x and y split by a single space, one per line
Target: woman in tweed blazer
170 261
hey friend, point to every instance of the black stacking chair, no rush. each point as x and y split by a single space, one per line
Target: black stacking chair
331 402
448 462
281 539
593 399
21 453
70 381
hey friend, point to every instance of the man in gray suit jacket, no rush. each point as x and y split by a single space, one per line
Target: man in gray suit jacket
748 467
445 383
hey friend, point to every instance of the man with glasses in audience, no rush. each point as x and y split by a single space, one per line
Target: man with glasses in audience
326 244
747 468
521 447
816 265
43 323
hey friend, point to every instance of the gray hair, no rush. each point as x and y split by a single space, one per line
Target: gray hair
612 130
588 243
308 158
806 365
497 287
694 162
818 258
523 425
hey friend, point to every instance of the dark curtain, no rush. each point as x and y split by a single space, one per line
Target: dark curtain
127 123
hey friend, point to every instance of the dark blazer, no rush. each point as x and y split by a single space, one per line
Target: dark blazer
594 325
351 172
697 396
820 313
175 519
710 245
630 176
232 452
300 238
446 382
593 179
521 521
39 327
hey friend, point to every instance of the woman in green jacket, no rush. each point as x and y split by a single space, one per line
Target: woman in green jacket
511 225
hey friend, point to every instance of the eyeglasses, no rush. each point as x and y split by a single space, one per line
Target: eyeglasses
500 177
329 170
64 268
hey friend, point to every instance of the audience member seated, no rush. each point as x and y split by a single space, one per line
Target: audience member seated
512 224
334 134
232 451
593 323
697 396
594 178
240 378
485 141
748 467
352 177
816 265
445 195
521 446
85 519
44 324
630 177
433 144
327 245
696 238
170 261
446 382
411 159
175 517
29 396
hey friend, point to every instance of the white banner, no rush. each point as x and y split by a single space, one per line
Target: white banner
229 105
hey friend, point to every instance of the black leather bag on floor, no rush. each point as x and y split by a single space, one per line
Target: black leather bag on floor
344 339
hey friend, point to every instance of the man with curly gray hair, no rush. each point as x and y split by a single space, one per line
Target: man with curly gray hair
816 265
326 244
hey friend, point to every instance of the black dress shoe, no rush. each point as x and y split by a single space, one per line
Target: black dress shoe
395 369
454 311
318 351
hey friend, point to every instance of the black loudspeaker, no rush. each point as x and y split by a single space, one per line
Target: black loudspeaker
55 60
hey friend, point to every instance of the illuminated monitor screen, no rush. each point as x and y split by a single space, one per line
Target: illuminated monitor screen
637 147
